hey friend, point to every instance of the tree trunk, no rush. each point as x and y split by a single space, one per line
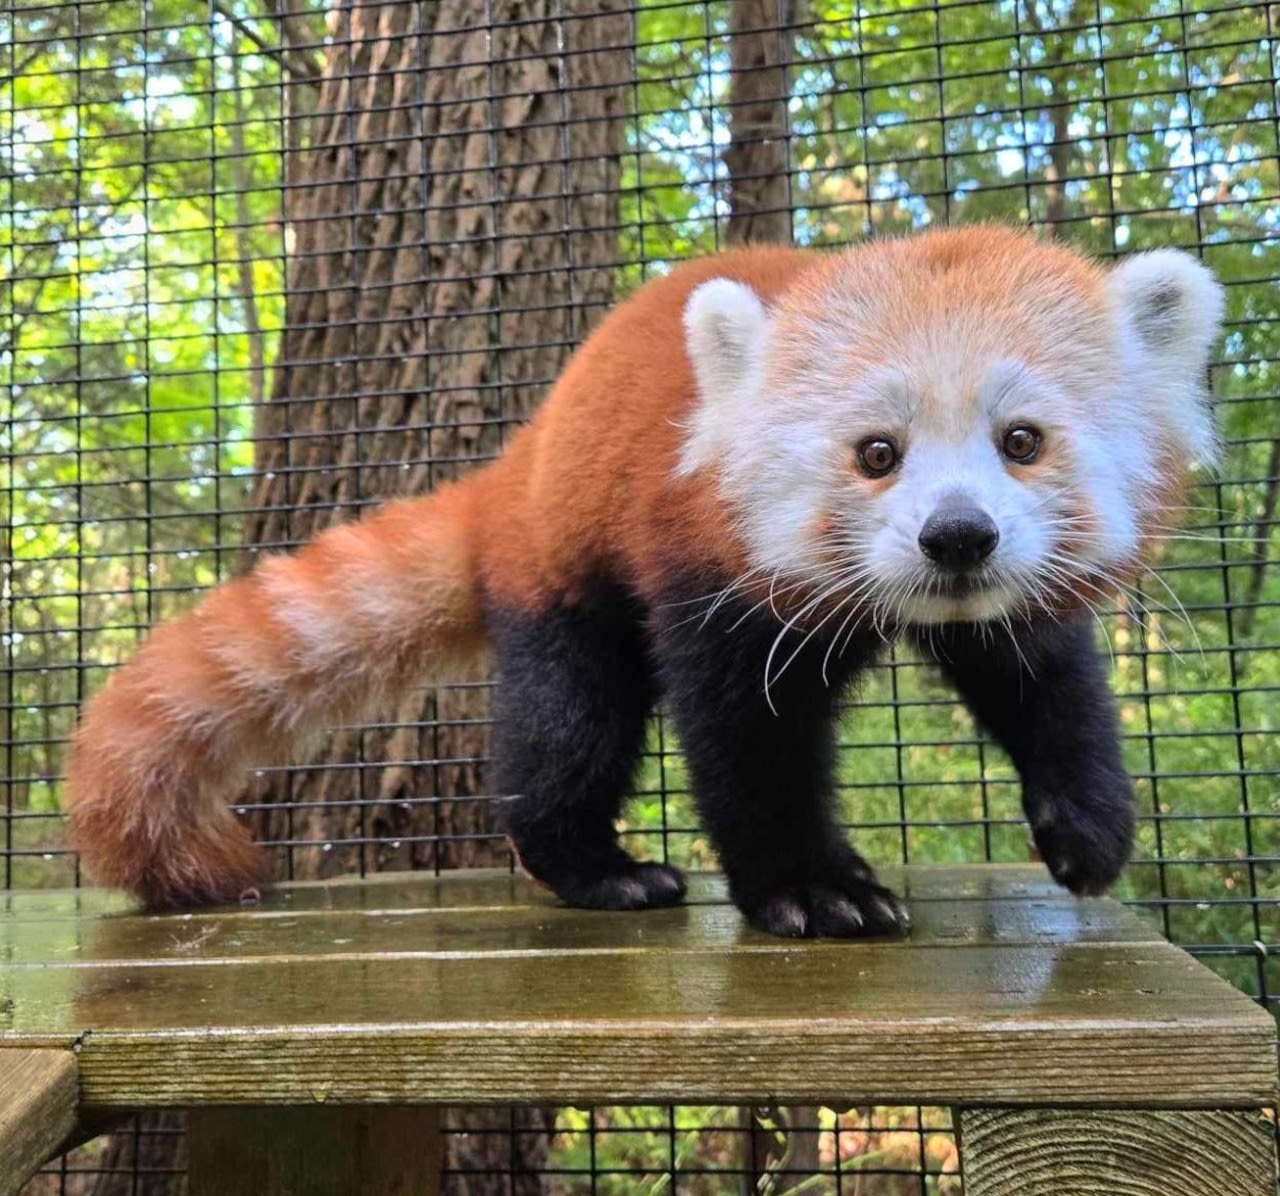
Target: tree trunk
779 1148
146 1160
454 221
761 48
452 227
1062 151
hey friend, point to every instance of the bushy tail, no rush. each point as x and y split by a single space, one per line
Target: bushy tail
262 663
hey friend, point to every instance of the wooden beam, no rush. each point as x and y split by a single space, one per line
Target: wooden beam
1114 1024
482 990
38 1101
314 1150
1047 1152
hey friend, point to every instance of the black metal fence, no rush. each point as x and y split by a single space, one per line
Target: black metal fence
265 262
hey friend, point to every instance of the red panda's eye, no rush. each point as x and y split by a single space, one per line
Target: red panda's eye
1022 444
877 456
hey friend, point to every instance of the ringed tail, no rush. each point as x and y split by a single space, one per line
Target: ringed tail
332 633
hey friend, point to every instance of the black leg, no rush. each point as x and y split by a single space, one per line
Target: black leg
761 768
1046 701
575 689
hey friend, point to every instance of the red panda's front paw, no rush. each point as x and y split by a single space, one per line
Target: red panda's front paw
847 904
1084 846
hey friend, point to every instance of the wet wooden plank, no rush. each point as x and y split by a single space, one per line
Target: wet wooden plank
496 889
175 939
1100 1023
1088 1152
481 988
870 981
799 1061
38 1104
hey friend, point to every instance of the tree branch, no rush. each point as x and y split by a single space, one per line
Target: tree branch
1261 540
296 64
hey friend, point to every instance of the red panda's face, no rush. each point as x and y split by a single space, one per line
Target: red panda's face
960 487
928 432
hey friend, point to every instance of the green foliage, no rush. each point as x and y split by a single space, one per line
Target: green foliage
702 1151
141 239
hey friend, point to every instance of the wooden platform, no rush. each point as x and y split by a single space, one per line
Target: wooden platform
478 987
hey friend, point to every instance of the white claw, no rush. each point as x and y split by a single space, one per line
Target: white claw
849 912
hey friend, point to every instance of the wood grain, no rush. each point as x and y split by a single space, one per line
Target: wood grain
1040 1152
314 1150
38 1103
797 1061
482 931
482 989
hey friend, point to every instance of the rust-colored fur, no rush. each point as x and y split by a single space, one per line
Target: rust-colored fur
590 479
589 487
341 627
354 618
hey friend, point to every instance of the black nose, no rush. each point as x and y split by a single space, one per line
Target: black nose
959 536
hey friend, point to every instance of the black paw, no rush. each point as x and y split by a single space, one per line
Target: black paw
630 886
1084 847
841 901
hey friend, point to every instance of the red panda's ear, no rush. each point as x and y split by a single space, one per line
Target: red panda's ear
1170 308
1170 301
725 330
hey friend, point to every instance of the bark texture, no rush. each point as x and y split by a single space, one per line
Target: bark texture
454 223
149 1159
455 220
761 48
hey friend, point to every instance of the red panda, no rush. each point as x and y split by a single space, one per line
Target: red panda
756 472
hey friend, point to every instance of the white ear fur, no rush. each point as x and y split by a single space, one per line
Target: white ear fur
726 329
725 326
1171 307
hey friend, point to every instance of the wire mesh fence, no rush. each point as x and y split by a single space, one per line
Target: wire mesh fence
268 262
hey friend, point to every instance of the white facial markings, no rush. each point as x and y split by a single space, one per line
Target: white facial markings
886 403
937 472
951 452
1112 378
778 476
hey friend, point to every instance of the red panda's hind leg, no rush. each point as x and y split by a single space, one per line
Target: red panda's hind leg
575 692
